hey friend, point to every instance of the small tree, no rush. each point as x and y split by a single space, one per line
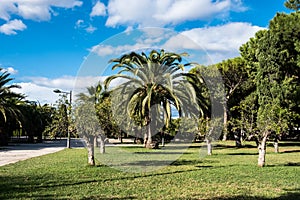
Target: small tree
88 127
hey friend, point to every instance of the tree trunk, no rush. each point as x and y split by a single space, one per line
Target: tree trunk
163 140
149 137
262 152
225 130
102 144
209 147
96 144
238 139
120 138
90 148
276 145
145 139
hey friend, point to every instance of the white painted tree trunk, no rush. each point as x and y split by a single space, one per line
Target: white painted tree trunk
209 147
96 144
225 129
276 146
163 141
102 144
90 148
262 152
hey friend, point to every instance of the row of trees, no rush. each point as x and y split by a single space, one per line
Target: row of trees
260 100
19 117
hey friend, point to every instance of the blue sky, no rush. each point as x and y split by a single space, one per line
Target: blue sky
49 44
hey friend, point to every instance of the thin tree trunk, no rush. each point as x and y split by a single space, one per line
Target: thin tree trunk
102 144
225 130
238 139
262 151
276 145
209 147
163 139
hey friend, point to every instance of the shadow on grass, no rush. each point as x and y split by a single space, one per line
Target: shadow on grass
290 195
241 154
289 164
225 146
162 153
9 185
107 198
291 151
285 144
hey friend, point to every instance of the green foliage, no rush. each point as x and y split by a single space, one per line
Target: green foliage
292 4
60 120
272 57
152 84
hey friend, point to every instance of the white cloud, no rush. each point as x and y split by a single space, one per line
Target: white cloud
90 29
34 92
38 10
133 40
99 9
41 88
79 23
220 42
162 13
10 70
11 27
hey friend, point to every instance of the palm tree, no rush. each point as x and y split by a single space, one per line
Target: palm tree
152 85
9 106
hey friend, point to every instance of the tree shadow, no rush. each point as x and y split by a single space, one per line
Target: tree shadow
285 144
290 195
289 164
186 162
241 153
162 153
107 198
291 151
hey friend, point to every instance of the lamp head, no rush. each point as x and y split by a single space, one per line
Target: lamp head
57 91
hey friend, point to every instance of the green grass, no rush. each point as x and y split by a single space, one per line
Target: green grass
229 174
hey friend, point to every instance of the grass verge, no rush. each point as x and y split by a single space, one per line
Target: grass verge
228 174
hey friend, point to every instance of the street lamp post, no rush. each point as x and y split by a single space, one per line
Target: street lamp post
69 115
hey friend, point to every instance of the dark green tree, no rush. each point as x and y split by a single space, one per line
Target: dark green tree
274 54
9 107
292 4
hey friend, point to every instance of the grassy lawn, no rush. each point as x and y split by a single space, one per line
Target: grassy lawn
229 174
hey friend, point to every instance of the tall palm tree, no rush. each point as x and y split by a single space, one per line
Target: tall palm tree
152 85
9 105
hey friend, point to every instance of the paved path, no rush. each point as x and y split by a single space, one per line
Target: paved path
17 152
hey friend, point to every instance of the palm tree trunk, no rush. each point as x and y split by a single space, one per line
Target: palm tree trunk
163 139
262 151
149 137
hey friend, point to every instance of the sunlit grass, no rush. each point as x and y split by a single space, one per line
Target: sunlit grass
230 173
